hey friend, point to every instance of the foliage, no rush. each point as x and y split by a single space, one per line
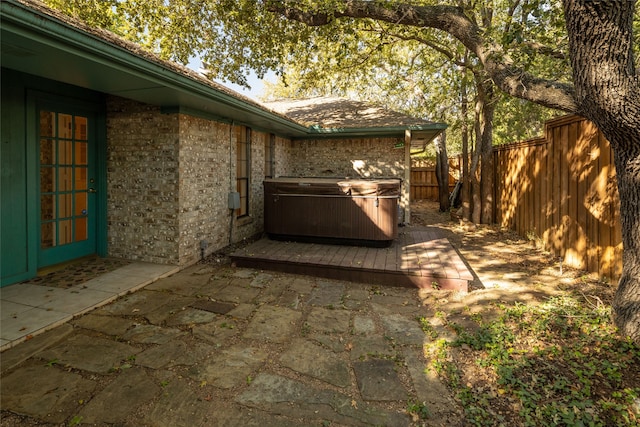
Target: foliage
420 71
560 363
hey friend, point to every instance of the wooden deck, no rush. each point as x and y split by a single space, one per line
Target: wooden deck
417 258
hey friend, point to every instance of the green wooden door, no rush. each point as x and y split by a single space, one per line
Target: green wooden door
67 190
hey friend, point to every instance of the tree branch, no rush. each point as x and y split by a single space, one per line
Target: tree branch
452 20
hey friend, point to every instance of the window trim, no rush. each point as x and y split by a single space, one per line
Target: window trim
245 142
269 154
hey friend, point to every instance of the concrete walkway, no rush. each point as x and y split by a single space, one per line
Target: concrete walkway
220 346
28 310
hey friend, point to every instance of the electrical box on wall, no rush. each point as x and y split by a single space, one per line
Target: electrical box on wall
234 200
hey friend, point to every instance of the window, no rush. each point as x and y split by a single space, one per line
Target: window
243 169
269 145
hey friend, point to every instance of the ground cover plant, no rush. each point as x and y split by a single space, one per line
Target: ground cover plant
559 363
553 359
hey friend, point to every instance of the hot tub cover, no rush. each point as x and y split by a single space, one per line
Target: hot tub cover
360 211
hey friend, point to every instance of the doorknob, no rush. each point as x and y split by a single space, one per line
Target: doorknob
92 190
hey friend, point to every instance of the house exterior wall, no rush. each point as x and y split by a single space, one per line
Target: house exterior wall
283 157
169 177
142 182
203 187
355 158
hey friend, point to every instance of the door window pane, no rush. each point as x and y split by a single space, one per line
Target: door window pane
64 153
81 178
47 179
48 235
47 207
81 128
65 176
47 123
82 229
64 179
81 153
81 204
65 232
64 205
47 152
64 126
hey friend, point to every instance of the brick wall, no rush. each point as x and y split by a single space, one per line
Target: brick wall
142 182
361 157
204 186
168 180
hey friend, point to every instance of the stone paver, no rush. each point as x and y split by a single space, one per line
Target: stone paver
329 320
151 334
47 393
214 345
179 405
403 330
172 353
327 294
378 380
106 324
93 354
274 324
313 360
131 389
231 367
281 395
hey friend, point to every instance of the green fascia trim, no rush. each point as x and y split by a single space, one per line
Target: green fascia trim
29 22
390 131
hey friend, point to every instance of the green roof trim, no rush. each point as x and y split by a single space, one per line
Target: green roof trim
391 131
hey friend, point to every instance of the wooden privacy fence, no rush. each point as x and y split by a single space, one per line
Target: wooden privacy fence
424 184
561 190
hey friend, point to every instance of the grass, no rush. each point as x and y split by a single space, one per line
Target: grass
558 363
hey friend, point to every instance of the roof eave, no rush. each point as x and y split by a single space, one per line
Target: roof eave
33 24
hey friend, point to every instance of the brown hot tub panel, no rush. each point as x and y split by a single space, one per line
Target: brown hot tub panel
353 211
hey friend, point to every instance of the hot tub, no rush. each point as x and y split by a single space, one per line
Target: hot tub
356 211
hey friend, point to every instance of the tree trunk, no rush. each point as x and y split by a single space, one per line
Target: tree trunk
608 94
626 304
486 151
482 165
442 171
476 211
466 181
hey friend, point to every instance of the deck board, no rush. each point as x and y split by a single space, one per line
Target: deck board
422 258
